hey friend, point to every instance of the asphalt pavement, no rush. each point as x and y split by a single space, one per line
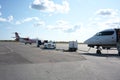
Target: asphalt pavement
27 62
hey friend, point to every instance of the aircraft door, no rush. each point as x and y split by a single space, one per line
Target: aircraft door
118 35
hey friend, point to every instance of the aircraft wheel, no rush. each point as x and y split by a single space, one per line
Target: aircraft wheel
98 52
119 53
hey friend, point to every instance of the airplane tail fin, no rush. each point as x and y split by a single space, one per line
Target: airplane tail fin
17 36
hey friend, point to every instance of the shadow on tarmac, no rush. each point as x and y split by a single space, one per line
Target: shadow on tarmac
101 55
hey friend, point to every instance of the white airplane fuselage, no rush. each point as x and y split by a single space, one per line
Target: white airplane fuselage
106 39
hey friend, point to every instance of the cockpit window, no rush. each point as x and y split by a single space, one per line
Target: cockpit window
105 33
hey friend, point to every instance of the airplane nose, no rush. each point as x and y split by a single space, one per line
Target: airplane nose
86 42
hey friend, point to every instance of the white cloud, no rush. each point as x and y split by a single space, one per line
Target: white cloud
64 26
73 29
50 6
39 23
3 19
107 12
17 22
29 19
60 25
105 24
35 20
9 19
105 18
110 23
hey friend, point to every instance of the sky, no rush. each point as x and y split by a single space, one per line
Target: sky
58 20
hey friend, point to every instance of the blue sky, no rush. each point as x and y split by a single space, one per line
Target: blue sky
59 20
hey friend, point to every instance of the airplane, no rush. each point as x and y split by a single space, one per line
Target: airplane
106 39
24 40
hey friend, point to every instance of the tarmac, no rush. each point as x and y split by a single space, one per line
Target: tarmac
27 62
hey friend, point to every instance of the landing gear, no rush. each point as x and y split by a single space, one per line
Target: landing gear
98 51
119 53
